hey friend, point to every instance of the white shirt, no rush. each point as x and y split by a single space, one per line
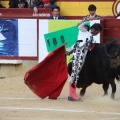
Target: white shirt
55 18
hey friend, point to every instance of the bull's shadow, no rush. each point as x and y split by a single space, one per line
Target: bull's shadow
102 66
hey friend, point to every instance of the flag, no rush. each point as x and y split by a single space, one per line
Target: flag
47 78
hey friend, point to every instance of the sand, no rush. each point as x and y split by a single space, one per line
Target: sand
18 102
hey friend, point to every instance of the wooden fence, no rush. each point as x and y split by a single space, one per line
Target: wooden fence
111 30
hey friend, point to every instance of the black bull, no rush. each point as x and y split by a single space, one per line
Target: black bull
102 66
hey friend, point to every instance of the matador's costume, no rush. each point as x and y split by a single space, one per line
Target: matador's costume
79 52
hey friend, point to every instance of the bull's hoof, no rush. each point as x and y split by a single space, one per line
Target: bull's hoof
72 99
112 96
105 94
82 93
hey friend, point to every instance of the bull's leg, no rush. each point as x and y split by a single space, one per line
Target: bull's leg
70 68
105 88
113 85
83 90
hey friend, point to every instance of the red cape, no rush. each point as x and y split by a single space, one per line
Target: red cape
48 77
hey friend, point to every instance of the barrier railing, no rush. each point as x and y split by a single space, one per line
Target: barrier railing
111 30
24 13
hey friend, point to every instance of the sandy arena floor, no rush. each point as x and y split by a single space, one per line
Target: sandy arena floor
18 102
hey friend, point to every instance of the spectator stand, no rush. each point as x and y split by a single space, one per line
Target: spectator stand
111 25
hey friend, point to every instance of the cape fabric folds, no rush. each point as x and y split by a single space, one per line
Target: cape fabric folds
47 78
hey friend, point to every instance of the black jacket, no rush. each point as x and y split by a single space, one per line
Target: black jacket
60 17
14 4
